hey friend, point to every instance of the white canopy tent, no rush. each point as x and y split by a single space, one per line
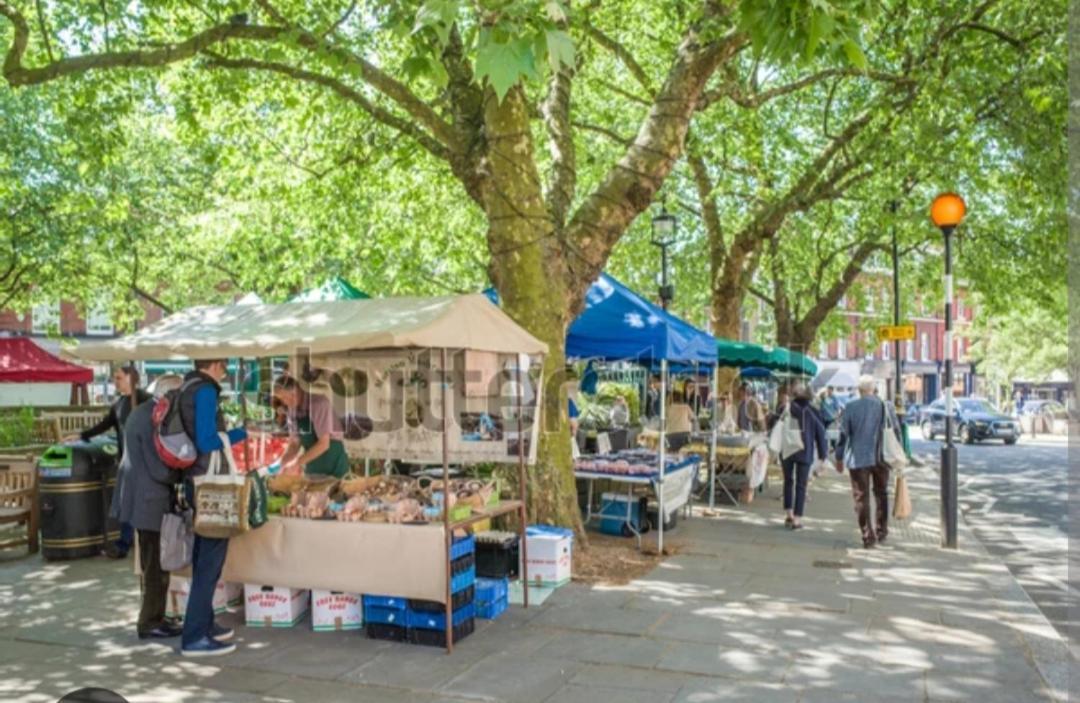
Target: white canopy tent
257 330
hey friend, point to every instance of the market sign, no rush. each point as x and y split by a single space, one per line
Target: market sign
895 333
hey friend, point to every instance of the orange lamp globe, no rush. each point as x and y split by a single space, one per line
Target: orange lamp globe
948 210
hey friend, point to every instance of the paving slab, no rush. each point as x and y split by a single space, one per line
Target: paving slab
508 678
577 693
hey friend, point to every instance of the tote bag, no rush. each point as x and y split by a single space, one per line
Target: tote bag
177 536
791 442
221 497
892 451
902 501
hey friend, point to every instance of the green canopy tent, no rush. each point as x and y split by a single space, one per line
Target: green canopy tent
745 354
336 288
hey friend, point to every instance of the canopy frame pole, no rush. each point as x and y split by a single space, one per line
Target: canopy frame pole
449 624
715 431
663 452
522 489
243 410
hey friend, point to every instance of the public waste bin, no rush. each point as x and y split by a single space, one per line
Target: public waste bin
75 485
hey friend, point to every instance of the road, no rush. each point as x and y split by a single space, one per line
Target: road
1015 498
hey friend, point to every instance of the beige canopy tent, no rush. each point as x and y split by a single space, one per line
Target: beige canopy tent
207 332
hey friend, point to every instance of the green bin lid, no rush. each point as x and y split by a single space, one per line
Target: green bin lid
57 456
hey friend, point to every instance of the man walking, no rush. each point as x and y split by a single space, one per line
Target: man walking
860 449
200 412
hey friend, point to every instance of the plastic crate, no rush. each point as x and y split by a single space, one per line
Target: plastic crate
463 580
462 564
463 597
392 602
491 590
490 611
379 631
385 616
437 638
437 621
463 546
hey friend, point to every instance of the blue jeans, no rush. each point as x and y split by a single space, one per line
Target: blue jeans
206 564
796 477
127 537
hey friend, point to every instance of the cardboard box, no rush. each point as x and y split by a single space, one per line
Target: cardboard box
274 606
225 595
549 554
334 610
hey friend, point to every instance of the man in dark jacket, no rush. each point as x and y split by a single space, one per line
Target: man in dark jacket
200 412
126 379
796 466
143 495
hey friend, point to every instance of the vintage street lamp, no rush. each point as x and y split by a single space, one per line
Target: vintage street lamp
947 212
663 236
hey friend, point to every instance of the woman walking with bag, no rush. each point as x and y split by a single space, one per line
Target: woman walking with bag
804 433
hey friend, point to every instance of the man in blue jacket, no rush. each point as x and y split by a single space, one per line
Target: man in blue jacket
860 449
200 412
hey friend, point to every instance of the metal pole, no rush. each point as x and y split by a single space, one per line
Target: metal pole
446 500
663 276
663 453
715 430
898 397
522 514
948 451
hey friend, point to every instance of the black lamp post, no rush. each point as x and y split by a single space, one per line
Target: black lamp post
947 212
663 236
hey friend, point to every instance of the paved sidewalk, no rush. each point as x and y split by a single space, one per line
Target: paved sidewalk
747 611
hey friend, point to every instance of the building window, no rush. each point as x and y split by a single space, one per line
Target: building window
98 322
909 352
841 348
885 350
823 350
924 343
44 317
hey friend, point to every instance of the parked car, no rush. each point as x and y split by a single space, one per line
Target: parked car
975 419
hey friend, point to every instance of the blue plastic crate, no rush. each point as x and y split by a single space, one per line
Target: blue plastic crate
390 602
461 547
490 611
491 590
437 621
385 616
463 580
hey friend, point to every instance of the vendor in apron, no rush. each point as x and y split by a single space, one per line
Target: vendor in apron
315 432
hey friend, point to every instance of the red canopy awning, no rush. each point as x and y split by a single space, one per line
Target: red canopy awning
23 361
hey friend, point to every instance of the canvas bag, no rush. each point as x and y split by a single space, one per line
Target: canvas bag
892 451
902 500
221 497
177 535
258 496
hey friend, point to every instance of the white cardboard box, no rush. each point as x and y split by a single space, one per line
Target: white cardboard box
334 610
274 606
549 558
225 594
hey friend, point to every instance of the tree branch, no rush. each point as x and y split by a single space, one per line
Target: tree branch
610 134
623 55
43 28
1000 34
755 100
150 299
556 111
760 295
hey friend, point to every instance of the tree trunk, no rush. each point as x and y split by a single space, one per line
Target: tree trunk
529 270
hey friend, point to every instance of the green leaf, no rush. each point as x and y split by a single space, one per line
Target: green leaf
503 64
438 15
555 11
560 49
855 54
821 26
416 66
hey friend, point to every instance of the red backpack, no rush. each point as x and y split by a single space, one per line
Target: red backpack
175 446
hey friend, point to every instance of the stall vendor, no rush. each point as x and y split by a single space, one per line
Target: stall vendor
315 432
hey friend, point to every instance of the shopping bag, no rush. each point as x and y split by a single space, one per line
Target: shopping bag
221 497
792 442
892 450
901 500
177 539
257 499
776 437
759 465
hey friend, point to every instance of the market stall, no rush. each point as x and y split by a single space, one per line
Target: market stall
30 375
620 325
427 380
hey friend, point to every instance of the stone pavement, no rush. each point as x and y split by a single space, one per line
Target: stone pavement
746 611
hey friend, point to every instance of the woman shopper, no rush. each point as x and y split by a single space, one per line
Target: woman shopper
797 466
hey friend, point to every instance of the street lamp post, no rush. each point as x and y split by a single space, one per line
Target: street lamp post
898 394
663 236
947 212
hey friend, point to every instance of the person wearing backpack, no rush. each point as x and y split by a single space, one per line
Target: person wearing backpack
141 499
796 466
200 412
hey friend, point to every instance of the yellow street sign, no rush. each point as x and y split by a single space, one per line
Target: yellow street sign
895 333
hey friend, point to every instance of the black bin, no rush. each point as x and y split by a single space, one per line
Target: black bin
75 485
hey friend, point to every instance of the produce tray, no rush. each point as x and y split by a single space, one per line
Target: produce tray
491 611
379 631
385 616
458 600
437 638
437 621
490 590
463 546
391 602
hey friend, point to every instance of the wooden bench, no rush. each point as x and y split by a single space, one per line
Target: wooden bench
19 499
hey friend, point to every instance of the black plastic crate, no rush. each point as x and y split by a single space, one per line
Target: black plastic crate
498 560
462 564
378 631
437 638
433 606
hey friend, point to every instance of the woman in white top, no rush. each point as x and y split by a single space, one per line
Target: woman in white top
680 416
